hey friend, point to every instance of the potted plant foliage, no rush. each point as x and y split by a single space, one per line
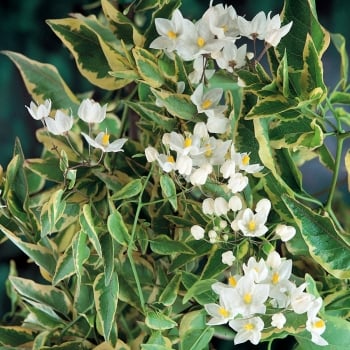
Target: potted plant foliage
170 212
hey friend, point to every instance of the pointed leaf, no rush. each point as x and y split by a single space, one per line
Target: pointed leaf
41 293
169 190
164 245
15 336
44 82
169 293
325 243
118 229
159 321
88 226
106 299
131 189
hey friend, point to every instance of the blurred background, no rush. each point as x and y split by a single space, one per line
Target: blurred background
23 29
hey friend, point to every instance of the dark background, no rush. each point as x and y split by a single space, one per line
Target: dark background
23 29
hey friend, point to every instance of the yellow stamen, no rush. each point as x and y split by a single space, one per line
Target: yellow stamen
247 298
208 151
172 35
206 104
319 324
249 326
251 225
232 281
105 139
275 278
170 159
245 159
188 142
200 42
223 312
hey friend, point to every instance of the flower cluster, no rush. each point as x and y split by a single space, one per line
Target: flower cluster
89 111
263 293
215 35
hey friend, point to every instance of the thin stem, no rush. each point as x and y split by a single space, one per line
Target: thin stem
132 238
338 156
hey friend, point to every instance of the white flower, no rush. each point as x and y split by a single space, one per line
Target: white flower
151 154
235 203
207 102
170 31
224 311
285 232
274 31
237 182
252 225
300 301
250 297
247 329
91 111
102 142
59 125
212 236
258 270
231 57
254 29
200 175
197 41
228 258
278 320
199 71
197 232
242 161
41 111
220 206
316 326
183 164
208 206
218 124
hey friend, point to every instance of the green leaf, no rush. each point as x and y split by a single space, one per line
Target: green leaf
164 245
159 321
15 335
305 22
41 293
193 331
51 212
44 82
339 42
80 251
118 229
147 67
106 300
214 265
169 190
131 189
199 287
80 39
41 255
65 267
178 105
87 225
169 293
326 245
46 168
151 113
107 246
282 78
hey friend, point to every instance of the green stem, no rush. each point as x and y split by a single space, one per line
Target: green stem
132 238
338 156
269 345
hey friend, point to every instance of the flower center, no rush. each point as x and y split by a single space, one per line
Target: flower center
206 104
275 278
319 324
232 281
208 151
200 42
251 225
245 159
188 142
248 326
223 312
105 139
170 159
172 35
247 298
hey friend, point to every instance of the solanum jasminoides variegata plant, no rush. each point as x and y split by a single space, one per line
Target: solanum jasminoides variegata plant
171 213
